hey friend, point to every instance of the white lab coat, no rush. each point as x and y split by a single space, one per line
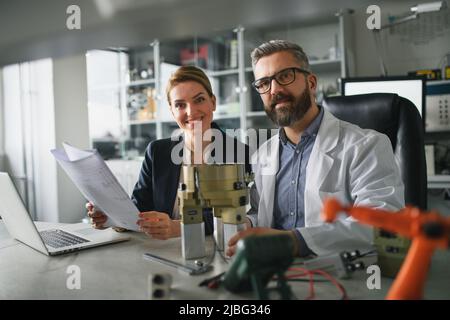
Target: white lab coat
352 164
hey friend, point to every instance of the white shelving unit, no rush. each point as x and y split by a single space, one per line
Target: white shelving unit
238 106
140 122
437 82
436 138
326 65
439 182
256 114
140 83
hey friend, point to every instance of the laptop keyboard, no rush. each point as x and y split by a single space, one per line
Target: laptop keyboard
58 238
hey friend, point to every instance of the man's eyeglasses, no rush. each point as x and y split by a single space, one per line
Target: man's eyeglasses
283 78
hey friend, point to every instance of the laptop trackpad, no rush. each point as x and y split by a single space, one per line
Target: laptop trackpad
87 231
98 235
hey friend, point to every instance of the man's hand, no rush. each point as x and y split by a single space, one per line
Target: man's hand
158 225
232 243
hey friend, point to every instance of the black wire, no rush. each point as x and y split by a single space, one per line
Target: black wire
207 281
223 257
217 277
220 253
211 259
367 253
202 200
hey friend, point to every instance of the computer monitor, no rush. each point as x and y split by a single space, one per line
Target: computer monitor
409 87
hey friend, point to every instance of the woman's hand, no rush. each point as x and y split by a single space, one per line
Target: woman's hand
158 225
98 218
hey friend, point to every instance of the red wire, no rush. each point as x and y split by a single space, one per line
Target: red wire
312 294
298 275
311 280
334 281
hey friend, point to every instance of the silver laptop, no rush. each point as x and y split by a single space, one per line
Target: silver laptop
50 241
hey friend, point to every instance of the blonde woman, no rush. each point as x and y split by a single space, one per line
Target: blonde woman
192 104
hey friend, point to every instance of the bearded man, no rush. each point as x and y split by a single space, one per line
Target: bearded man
314 156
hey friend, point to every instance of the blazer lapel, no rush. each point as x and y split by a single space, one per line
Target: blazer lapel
172 178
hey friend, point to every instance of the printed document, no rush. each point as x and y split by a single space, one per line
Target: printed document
89 172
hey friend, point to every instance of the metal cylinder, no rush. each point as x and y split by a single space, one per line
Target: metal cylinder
219 186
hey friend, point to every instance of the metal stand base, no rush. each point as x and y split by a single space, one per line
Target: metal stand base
218 233
193 240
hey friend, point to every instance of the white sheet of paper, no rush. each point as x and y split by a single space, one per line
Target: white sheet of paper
89 172
75 154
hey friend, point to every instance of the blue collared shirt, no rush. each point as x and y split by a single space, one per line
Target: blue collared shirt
289 206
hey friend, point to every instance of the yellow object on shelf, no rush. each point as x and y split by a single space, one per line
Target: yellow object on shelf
447 73
148 111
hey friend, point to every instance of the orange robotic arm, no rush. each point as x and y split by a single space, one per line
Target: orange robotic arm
428 231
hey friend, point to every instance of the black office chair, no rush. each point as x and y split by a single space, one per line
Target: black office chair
400 120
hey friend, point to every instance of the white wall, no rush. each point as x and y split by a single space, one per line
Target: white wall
43 140
12 121
2 127
29 135
104 86
400 56
71 125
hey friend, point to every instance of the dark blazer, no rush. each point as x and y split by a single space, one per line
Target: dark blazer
156 188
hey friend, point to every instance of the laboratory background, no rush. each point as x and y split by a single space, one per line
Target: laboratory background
93 74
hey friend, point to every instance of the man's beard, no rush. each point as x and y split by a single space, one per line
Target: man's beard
287 115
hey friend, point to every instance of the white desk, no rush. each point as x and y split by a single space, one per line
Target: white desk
118 271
